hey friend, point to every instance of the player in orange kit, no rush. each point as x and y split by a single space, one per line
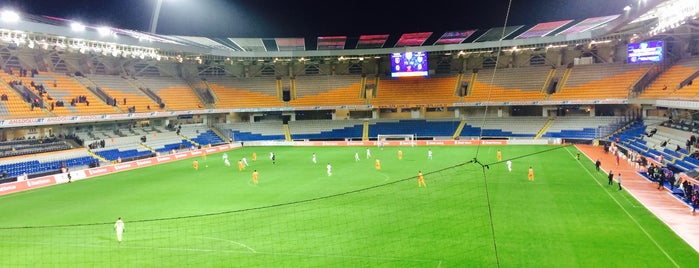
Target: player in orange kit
254 156
241 166
531 174
195 164
254 177
499 156
420 180
378 164
400 154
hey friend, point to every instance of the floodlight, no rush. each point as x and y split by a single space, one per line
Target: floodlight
627 8
9 16
104 30
77 26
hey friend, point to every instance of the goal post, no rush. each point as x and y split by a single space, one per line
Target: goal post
395 139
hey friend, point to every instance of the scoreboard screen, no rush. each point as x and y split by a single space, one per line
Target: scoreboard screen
650 51
405 64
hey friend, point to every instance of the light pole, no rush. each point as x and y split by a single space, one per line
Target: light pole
154 18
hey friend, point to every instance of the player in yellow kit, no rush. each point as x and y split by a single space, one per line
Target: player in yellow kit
499 156
378 164
531 174
400 154
241 166
420 180
254 177
254 156
195 164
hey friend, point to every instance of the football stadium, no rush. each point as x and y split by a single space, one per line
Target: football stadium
569 143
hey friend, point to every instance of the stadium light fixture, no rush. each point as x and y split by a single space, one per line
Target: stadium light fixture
104 30
627 8
77 26
9 16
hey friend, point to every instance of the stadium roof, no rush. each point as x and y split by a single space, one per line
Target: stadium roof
33 26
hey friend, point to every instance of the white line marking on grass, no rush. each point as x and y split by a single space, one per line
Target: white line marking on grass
629 214
226 240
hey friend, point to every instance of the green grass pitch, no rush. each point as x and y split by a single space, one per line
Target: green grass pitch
298 216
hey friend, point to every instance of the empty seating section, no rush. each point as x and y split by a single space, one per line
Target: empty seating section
508 85
324 129
46 163
32 146
665 86
582 127
166 142
327 90
120 88
247 131
600 81
418 127
15 106
175 93
256 92
416 91
66 89
524 78
201 134
515 126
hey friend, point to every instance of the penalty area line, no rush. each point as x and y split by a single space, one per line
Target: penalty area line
231 241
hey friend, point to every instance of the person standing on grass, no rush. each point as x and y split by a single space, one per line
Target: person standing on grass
378 164
530 176
356 156
597 164
611 178
420 180
313 158
368 153
330 169
119 229
254 176
499 156
509 165
429 154
400 154
618 179
195 164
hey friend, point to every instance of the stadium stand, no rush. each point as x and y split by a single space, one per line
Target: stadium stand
668 83
413 91
76 98
253 92
327 90
600 81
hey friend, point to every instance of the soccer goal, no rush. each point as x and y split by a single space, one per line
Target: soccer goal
395 139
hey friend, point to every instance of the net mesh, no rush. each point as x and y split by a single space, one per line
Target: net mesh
393 223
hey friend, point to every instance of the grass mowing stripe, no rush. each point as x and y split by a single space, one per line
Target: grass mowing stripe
628 214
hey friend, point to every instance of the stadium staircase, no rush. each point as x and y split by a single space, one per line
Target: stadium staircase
292 89
362 87
564 79
102 159
279 88
460 128
544 128
547 82
219 133
189 140
365 131
287 132
147 147
457 86
471 84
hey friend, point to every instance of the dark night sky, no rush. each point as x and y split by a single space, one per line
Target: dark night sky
312 18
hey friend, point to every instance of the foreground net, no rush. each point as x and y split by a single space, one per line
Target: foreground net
392 224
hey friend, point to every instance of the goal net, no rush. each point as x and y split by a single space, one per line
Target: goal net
395 139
